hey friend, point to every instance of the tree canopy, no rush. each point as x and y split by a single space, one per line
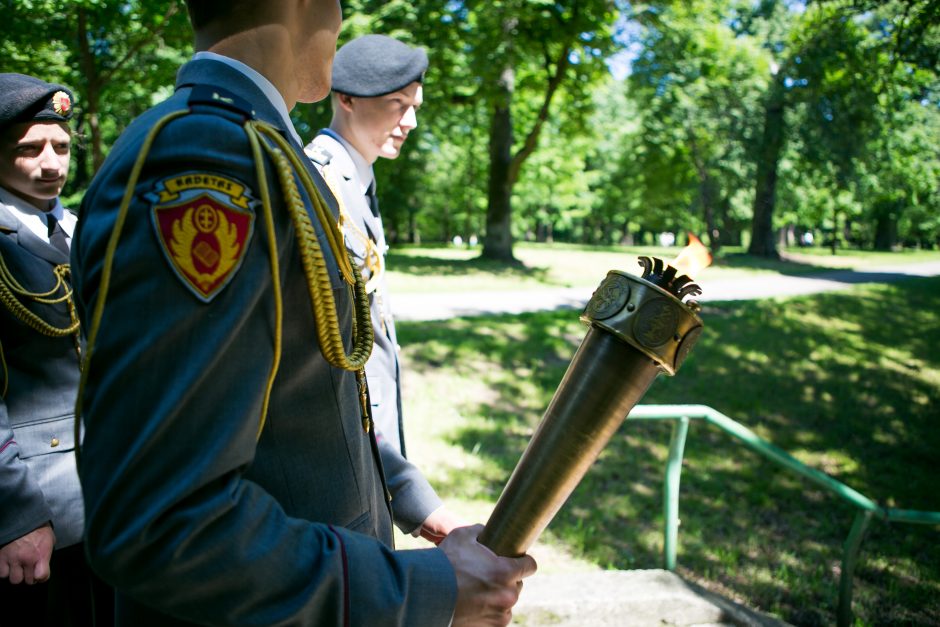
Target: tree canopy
599 121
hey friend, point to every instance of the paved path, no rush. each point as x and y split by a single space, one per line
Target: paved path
634 598
446 305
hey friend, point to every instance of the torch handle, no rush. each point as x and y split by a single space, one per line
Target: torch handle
604 381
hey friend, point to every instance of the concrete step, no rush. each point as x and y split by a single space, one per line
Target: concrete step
627 598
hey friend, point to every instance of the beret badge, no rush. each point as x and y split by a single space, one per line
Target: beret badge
61 103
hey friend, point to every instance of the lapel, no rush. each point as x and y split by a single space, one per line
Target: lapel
354 198
28 240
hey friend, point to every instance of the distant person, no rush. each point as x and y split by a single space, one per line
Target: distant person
44 579
376 93
230 469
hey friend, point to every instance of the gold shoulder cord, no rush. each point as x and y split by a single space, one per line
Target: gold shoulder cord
12 295
320 288
373 260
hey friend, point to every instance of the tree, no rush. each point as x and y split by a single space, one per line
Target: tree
118 56
697 85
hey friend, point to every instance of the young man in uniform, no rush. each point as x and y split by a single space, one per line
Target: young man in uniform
376 92
230 468
44 579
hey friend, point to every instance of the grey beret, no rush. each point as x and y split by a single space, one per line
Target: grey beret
375 65
29 99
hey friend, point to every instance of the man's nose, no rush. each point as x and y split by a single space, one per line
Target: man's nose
48 159
410 120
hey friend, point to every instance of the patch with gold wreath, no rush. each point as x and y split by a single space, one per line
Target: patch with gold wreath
204 223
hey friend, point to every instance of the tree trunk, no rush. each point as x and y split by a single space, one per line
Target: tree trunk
770 149
497 243
92 91
504 166
706 193
886 227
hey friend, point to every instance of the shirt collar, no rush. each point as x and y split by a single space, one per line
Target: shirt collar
35 219
363 168
263 84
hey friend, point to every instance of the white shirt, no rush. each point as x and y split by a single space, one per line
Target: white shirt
364 171
273 95
35 219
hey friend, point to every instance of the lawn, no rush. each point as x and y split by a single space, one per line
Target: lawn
417 269
847 382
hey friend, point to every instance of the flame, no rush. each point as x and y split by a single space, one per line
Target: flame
692 259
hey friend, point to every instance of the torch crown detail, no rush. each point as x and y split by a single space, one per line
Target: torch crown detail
648 312
664 275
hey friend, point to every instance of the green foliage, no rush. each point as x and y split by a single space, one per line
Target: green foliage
678 145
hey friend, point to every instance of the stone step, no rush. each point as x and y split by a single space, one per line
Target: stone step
627 598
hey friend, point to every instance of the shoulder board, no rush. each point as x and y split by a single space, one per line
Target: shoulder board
220 97
319 155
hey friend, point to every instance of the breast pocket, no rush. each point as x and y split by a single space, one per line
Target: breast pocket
45 437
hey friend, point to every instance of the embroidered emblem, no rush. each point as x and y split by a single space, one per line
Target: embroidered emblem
61 103
204 224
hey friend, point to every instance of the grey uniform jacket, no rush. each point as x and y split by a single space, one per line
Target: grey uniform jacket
382 370
189 514
38 381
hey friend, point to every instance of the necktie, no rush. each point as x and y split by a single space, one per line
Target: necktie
372 199
56 234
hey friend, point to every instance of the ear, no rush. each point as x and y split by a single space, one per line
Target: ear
345 101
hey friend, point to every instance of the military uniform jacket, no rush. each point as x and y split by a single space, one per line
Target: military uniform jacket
382 370
189 514
38 381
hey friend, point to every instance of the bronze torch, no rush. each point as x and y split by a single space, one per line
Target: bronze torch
638 327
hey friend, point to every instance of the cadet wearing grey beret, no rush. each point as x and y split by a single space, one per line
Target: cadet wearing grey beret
375 65
29 99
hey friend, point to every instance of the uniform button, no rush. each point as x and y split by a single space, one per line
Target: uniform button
55 442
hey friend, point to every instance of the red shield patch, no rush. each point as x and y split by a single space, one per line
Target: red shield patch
204 239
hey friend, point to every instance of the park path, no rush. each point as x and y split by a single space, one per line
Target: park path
445 305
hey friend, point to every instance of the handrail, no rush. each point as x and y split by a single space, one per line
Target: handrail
868 509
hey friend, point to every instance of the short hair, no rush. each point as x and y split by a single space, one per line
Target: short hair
202 13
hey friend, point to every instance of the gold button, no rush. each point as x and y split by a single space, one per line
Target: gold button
55 442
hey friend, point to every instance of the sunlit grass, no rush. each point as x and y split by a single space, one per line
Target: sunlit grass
847 382
423 269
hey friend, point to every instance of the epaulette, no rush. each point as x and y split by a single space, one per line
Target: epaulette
220 97
318 154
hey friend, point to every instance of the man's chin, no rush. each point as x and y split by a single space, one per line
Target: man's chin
390 152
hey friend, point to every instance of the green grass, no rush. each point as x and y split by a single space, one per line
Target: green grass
847 382
451 269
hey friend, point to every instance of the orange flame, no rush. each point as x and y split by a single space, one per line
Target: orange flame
692 259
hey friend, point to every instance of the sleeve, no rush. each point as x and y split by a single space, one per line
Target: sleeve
413 498
171 404
24 506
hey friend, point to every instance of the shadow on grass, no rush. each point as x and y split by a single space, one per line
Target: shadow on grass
420 265
849 383
783 266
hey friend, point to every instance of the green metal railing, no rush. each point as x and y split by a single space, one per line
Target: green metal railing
867 508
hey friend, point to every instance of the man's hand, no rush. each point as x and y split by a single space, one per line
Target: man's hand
487 585
26 559
438 524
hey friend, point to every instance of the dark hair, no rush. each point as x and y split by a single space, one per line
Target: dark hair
203 12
